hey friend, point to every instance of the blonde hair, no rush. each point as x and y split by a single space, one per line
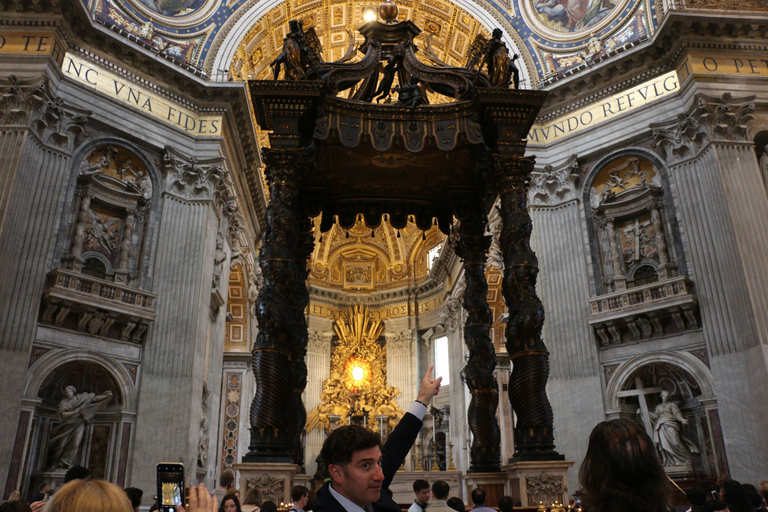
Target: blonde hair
89 496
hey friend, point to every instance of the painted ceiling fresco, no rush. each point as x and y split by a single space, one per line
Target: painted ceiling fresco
552 35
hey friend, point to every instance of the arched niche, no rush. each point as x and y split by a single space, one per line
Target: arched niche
635 392
104 440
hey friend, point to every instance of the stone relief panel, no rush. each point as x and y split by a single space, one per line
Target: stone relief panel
643 294
96 287
628 205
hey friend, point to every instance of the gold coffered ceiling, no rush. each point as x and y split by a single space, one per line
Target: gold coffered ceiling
452 30
355 261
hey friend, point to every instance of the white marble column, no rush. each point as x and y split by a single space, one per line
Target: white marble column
318 369
558 241
35 168
722 205
175 359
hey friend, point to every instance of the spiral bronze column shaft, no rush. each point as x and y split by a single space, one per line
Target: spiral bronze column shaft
274 426
485 453
534 439
298 416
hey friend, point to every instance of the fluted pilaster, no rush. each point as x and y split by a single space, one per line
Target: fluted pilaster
722 200
35 166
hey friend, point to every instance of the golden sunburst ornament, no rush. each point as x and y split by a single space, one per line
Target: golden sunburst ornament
357 374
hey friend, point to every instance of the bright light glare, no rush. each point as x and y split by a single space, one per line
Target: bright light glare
442 366
358 373
369 15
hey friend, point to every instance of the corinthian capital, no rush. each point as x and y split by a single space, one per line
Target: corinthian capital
28 103
195 179
721 119
553 186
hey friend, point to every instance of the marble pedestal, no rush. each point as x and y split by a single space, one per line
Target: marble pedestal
532 483
494 485
273 480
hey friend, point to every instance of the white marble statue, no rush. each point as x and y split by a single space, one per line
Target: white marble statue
76 411
674 448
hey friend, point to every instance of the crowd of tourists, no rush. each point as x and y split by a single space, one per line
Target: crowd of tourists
621 472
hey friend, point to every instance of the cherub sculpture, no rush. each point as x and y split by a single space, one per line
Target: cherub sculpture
301 50
494 55
409 95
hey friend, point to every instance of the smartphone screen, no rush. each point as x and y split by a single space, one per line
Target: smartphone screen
170 486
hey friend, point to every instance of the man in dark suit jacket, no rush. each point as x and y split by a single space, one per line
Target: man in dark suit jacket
360 469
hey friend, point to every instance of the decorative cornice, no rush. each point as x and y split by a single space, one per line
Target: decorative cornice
712 119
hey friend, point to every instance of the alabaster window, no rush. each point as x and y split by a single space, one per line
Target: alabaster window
442 366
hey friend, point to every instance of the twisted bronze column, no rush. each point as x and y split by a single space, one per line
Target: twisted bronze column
274 426
298 415
485 453
534 439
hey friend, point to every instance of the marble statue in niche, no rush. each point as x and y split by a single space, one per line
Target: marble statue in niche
76 411
674 448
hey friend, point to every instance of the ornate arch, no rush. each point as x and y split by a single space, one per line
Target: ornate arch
683 360
51 361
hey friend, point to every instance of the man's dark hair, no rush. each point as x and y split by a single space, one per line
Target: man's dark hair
269 506
753 495
441 489
621 470
42 486
714 506
77 473
227 478
456 504
505 504
419 485
345 441
298 492
696 497
134 495
708 487
478 496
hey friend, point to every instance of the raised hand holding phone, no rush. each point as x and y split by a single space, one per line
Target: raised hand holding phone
200 500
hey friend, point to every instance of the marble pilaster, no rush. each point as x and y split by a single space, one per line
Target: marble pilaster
717 181
175 366
35 166
574 387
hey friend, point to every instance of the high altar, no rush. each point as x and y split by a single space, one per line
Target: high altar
442 154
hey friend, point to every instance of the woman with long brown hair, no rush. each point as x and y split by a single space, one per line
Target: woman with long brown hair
622 472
